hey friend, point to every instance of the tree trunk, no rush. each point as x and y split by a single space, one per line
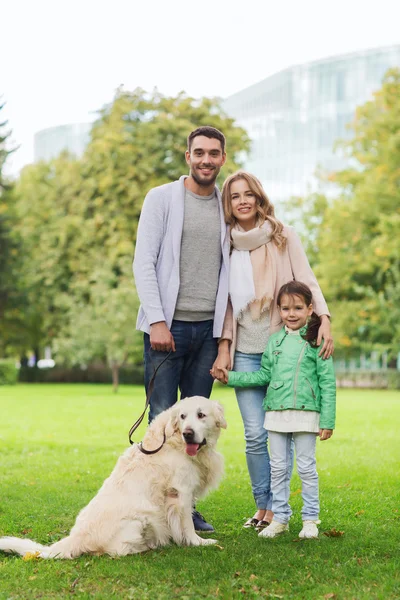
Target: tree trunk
115 376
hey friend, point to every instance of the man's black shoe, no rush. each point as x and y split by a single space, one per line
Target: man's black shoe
200 524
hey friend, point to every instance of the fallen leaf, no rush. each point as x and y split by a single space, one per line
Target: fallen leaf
242 591
296 493
237 574
73 584
25 531
333 533
219 547
252 577
360 512
31 556
331 595
32 577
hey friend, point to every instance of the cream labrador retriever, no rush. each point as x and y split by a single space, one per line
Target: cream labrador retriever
147 500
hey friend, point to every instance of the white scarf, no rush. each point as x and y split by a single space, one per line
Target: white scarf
252 273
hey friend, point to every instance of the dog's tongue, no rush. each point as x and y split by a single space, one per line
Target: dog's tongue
191 449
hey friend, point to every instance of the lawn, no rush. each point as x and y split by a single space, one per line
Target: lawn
59 442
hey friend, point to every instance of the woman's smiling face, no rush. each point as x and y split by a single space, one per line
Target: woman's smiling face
244 204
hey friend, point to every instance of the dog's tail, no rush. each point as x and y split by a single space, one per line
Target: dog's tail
28 548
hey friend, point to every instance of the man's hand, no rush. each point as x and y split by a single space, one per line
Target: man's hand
324 333
222 362
161 339
325 434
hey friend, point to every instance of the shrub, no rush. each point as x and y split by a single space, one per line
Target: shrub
8 372
93 374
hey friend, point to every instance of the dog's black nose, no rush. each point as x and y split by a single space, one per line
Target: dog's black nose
188 435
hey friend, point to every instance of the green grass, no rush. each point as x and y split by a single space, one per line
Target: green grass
59 442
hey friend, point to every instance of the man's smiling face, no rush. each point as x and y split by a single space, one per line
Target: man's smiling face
205 160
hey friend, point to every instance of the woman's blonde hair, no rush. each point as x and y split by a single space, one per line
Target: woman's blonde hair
265 210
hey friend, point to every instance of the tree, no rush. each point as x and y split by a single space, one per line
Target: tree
50 223
102 329
78 219
9 243
357 244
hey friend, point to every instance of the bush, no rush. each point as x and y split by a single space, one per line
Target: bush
93 374
385 379
8 372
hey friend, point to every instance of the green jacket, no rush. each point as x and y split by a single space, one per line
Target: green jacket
298 378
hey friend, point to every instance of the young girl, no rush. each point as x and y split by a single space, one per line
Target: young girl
300 404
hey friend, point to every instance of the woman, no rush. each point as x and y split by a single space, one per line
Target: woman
265 254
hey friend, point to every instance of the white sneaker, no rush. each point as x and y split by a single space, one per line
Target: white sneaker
274 529
310 529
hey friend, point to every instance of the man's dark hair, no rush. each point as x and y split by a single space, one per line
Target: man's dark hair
209 132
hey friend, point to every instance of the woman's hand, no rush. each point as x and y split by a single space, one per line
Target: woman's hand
324 333
222 362
325 434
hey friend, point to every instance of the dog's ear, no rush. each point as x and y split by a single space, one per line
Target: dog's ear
171 426
219 416
154 435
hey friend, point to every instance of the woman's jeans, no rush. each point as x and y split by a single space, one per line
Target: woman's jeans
250 402
280 445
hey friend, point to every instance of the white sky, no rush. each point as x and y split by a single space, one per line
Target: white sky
60 61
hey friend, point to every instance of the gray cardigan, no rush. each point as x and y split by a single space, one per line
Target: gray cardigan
157 257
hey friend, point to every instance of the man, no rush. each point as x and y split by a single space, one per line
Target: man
181 274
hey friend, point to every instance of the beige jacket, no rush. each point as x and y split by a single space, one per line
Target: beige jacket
291 263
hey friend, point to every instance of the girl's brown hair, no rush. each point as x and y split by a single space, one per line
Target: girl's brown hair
297 288
265 210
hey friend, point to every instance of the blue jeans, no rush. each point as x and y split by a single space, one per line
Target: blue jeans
281 468
186 369
250 402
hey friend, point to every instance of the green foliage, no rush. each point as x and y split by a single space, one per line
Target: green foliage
356 241
78 221
61 441
8 372
95 372
9 248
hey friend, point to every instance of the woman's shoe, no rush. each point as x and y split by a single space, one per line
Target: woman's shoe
262 525
252 522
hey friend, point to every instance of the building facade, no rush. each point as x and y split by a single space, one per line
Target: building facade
295 116
48 143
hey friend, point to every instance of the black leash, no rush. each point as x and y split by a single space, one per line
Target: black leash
140 419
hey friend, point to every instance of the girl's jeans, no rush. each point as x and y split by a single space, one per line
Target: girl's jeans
250 402
280 445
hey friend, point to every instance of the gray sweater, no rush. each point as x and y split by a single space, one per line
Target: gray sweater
157 257
200 260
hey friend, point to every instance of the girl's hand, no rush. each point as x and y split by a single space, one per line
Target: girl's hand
324 333
325 434
222 375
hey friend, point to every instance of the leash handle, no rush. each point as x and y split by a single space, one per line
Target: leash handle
148 396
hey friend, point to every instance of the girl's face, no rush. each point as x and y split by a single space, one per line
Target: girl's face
294 311
244 204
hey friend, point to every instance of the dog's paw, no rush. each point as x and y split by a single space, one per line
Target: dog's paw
208 541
